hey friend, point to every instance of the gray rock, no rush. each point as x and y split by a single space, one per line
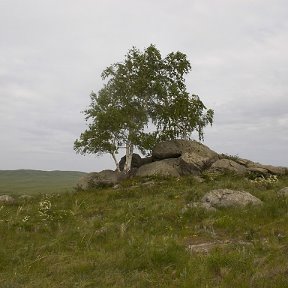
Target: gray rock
266 169
176 148
194 163
275 170
100 179
6 199
228 165
167 167
227 198
257 170
283 192
136 161
257 167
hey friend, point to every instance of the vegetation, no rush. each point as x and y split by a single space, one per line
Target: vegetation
144 100
19 182
141 234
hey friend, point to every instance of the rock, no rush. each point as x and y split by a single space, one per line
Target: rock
136 161
242 161
275 170
283 192
266 169
167 167
176 148
167 149
228 165
258 170
100 179
146 160
6 199
194 163
227 198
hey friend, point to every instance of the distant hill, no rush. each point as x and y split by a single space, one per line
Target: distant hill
37 181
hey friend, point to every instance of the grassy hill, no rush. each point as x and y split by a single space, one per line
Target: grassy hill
143 235
35 181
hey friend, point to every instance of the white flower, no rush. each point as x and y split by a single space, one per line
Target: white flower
25 219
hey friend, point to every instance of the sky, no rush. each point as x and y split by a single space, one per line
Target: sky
53 52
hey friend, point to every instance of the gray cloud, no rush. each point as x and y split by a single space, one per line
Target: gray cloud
52 54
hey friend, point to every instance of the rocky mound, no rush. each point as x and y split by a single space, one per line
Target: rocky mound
177 158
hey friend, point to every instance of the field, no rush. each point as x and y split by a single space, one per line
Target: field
17 182
143 235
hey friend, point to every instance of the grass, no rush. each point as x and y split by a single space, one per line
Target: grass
17 182
139 236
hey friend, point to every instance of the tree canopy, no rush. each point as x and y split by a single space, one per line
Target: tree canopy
144 100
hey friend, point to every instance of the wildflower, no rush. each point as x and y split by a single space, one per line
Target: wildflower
271 179
25 219
45 205
45 210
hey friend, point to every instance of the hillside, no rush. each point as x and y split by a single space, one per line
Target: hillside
145 234
36 181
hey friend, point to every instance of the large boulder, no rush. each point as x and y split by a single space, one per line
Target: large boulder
176 148
100 179
167 167
224 165
194 163
227 198
135 163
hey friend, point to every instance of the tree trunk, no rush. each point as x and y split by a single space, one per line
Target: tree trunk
116 162
129 154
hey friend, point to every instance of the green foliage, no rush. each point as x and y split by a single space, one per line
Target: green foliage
144 100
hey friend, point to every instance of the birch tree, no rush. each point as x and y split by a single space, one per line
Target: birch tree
144 100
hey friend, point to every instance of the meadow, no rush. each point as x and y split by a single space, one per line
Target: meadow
143 234
17 182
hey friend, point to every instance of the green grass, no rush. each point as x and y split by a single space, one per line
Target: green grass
35 181
139 236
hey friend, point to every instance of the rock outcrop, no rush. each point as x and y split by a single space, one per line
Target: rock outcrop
178 158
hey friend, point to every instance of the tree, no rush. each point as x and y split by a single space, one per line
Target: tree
144 100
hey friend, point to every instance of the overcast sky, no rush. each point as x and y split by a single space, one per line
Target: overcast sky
53 52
